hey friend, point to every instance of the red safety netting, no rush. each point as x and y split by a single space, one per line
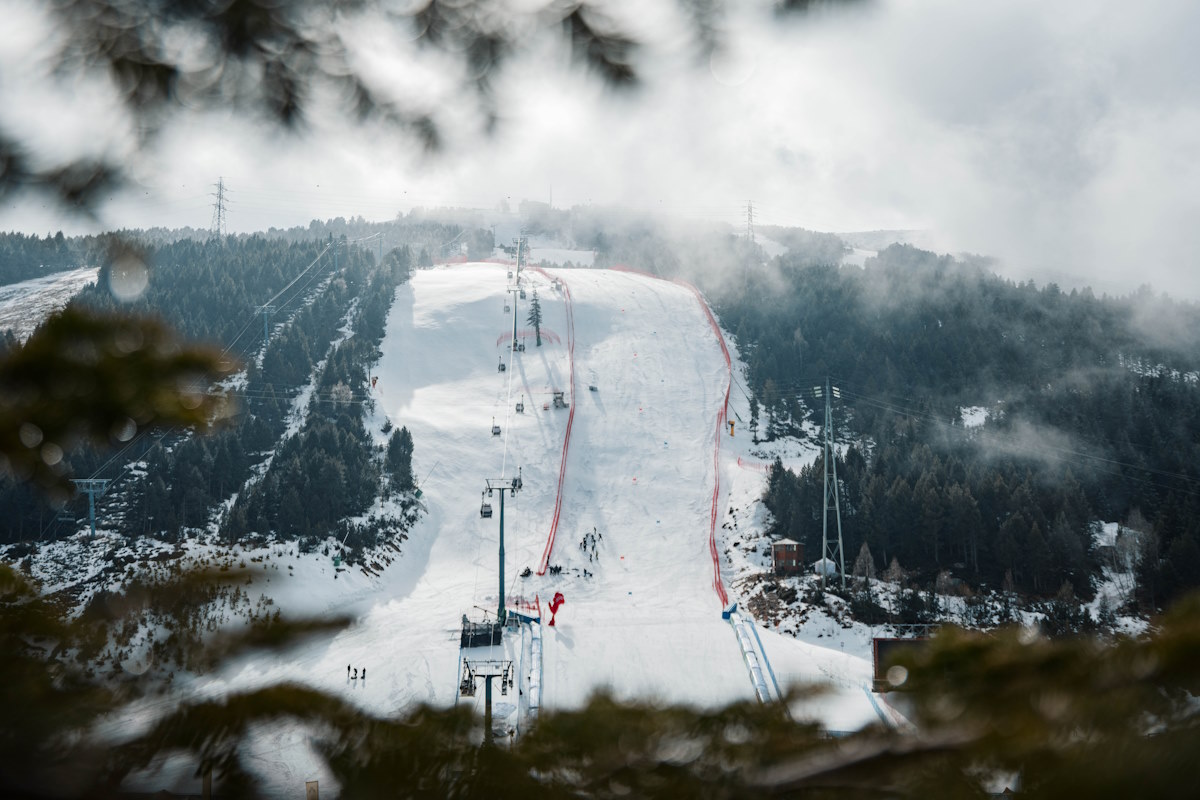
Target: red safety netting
718 586
562 470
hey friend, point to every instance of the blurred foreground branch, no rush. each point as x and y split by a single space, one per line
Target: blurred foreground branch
84 376
1066 718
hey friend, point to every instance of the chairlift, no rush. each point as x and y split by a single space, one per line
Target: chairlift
521 347
495 427
507 308
500 367
521 406
510 274
522 294
485 508
559 402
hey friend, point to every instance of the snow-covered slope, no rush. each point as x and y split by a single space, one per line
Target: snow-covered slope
24 305
641 615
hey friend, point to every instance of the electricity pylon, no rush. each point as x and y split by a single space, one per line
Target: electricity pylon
218 219
830 551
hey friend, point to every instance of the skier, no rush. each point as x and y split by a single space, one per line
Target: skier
364 673
356 674
347 672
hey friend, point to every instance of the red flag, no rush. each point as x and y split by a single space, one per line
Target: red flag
555 604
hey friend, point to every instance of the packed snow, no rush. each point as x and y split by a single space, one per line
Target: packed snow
973 416
24 305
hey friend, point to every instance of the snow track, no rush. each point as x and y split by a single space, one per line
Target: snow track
715 514
562 471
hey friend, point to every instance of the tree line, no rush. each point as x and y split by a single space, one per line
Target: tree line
1094 415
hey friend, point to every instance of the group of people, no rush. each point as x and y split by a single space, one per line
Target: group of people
588 545
348 677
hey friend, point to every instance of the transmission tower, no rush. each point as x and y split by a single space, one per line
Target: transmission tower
830 551
218 218
750 221
266 311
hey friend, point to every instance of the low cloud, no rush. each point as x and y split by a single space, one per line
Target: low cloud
1063 140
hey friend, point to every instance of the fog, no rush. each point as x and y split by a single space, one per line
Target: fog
1063 140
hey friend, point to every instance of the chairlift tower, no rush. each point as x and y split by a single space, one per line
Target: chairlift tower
522 246
830 551
511 486
93 487
488 670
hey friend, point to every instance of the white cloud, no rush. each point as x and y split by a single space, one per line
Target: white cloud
1061 138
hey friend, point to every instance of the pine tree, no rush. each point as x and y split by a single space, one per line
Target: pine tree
864 567
535 318
399 457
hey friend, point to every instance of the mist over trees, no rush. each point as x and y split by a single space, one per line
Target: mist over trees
1092 417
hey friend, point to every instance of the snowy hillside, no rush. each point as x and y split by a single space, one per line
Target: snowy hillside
24 305
631 552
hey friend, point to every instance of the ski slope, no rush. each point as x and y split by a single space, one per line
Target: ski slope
24 305
639 472
641 616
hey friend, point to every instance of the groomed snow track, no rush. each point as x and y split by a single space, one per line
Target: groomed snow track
544 564
718 584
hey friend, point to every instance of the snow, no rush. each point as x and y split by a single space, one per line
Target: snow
973 416
24 305
858 256
644 621
1105 534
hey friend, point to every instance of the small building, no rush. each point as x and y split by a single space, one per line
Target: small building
788 557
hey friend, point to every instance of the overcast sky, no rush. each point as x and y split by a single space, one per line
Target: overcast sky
1063 138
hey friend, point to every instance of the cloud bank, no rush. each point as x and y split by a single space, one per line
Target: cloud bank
1062 139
